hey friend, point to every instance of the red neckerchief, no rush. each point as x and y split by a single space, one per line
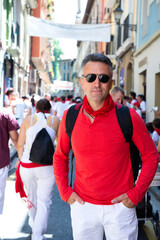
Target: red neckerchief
107 106
157 130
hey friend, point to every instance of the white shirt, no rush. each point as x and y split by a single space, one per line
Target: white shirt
139 112
155 137
133 101
143 106
59 107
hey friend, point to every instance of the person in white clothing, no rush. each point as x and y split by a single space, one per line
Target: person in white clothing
60 107
136 106
156 132
68 101
38 179
19 107
140 99
8 97
132 95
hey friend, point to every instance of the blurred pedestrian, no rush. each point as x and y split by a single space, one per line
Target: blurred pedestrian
132 95
78 99
59 107
156 132
157 114
126 101
47 96
38 179
104 195
117 94
32 107
19 107
53 101
136 106
140 99
8 128
9 97
68 101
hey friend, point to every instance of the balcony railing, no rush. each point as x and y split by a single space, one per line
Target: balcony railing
124 30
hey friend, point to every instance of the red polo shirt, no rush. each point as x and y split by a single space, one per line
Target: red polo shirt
103 168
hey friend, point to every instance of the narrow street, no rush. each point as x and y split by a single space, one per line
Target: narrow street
59 225
14 224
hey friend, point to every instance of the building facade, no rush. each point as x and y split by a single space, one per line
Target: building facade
146 57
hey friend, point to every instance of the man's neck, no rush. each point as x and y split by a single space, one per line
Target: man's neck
96 106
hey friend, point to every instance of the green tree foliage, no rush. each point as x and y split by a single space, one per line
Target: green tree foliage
57 52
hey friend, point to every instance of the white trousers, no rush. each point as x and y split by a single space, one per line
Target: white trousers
89 221
39 183
3 179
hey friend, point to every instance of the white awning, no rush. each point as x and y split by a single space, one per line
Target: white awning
38 27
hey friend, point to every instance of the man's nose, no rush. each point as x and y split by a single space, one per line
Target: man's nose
97 81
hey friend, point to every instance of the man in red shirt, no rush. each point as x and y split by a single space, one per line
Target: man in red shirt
104 196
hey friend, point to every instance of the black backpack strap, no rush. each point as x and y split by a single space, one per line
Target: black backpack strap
71 118
125 121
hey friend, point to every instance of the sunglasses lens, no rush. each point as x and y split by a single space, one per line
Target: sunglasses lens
91 77
104 78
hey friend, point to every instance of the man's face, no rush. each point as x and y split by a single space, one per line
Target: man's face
11 96
118 97
139 99
96 91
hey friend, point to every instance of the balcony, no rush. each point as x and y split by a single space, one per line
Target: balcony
33 3
13 50
39 63
124 47
125 39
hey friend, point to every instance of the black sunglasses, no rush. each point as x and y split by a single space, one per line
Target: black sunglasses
104 78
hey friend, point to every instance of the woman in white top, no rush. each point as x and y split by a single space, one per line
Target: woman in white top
38 179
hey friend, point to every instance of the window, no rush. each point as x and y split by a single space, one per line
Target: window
67 76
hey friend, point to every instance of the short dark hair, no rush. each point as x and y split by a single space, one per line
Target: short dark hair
63 98
9 91
156 123
133 94
43 105
97 57
70 97
141 96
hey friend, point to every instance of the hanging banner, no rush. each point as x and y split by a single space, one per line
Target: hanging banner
38 27
63 85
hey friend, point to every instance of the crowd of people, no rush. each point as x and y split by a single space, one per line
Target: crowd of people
138 103
104 195
30 115
24 106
